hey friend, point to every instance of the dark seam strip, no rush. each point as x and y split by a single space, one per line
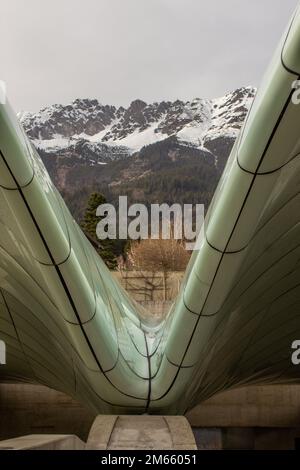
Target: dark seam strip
63 282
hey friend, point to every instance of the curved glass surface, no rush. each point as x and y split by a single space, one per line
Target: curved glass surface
68 324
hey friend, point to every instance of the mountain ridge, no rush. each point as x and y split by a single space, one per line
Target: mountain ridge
159 152
105 127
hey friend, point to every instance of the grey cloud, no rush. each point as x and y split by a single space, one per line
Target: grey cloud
119 50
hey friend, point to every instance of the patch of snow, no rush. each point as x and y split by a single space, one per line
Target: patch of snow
54 144
138 139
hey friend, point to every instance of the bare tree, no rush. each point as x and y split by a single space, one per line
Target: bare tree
158 255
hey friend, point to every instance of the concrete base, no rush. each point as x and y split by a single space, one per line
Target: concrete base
141 433
43 442
116 433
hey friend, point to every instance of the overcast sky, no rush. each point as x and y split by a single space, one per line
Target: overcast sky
53 51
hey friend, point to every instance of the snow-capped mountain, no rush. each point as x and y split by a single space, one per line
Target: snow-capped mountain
160 152
100 133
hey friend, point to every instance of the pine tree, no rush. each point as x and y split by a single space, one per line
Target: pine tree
105 248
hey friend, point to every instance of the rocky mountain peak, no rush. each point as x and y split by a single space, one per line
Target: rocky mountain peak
99 127
137 106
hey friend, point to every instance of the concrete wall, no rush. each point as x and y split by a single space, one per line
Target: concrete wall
34 409
248 418
247 438
265 406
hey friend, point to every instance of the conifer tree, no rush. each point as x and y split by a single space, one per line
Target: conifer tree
105 248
